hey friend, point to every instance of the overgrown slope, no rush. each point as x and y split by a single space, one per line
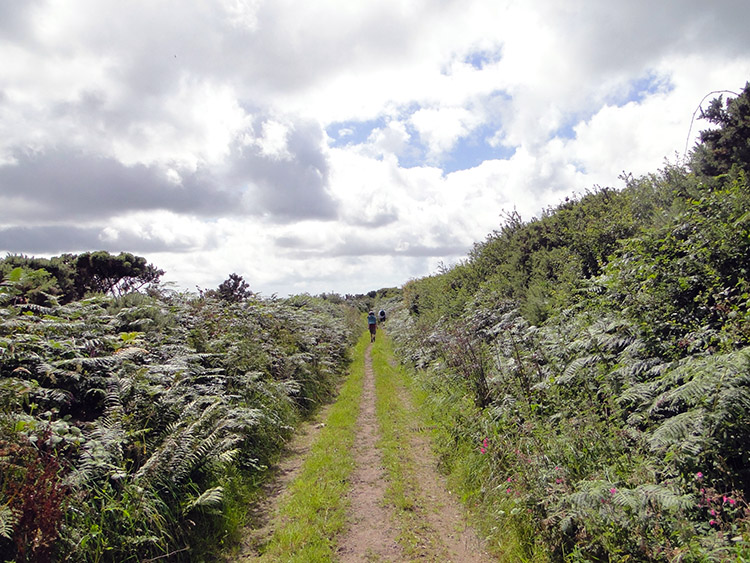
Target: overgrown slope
589 370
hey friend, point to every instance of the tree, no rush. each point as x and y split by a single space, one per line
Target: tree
234 289
729 144
24 285
105 273
62 268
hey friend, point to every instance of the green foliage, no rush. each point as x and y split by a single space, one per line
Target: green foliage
101 272
727 145
29 286
69 277
612 334
153 411
686 283
234 289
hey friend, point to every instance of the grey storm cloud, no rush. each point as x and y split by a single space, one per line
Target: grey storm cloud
380 219
60 238
669 27
65 184
288 188
359 246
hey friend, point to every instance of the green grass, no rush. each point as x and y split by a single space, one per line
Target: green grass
416 536
447 408
315 510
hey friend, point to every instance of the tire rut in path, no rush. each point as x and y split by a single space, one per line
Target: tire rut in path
372 535
442 511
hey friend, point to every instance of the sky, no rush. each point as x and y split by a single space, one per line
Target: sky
336 145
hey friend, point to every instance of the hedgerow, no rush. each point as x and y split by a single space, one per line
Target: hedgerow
589 373
135 427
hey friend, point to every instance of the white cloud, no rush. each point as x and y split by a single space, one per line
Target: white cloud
440 128
200 128
393 139
273 141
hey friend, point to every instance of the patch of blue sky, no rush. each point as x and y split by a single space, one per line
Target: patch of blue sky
480 59
344 133
414 155
474 149
637 91
566 129
641 88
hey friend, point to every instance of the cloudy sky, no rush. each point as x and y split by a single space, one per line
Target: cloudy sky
335 145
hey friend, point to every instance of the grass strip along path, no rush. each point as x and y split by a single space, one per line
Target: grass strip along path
368 489
314 510
431 523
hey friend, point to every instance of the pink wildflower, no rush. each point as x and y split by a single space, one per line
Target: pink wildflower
713 512
712 522
613 490
508 491
509 479
699 476
731 501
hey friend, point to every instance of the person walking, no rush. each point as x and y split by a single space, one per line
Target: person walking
372 324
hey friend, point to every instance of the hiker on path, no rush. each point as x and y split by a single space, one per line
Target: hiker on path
381 314
372 323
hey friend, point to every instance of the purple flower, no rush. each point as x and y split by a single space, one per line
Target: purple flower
699 476
613 490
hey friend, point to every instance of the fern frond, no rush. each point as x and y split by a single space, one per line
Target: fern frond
228 456
664 498
658 496
693 392
210 498
8 520
590 496
15 391
677 429
576 366
639 394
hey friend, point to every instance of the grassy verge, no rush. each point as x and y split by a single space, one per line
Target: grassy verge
458 431
315 510
416 536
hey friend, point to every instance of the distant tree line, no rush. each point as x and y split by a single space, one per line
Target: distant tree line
70 277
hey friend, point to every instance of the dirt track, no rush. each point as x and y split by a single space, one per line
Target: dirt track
374 528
